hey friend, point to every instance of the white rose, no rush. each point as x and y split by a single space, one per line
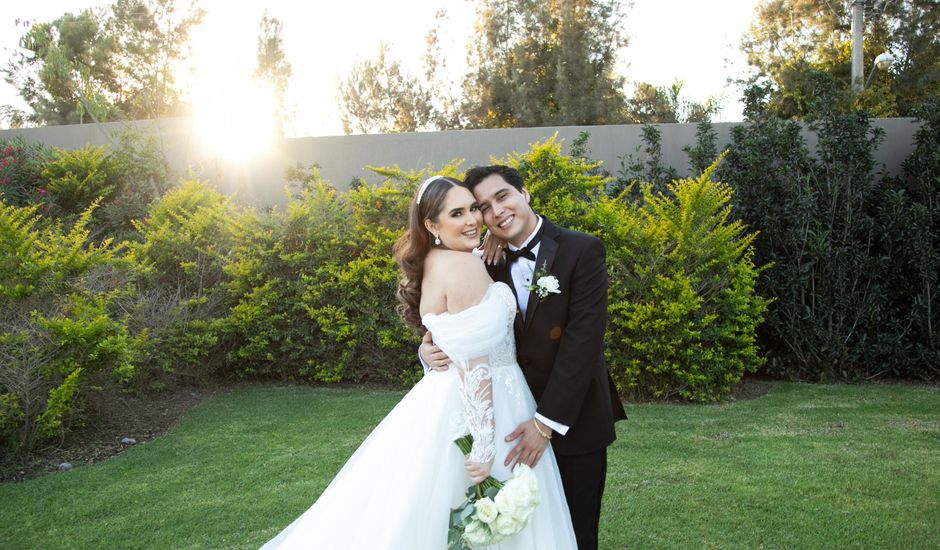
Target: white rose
486 510
549 283
506 501
520 495
476 533
507 525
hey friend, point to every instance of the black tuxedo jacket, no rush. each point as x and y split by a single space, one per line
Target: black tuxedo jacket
560 343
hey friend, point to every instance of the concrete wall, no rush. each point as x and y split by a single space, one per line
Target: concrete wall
260 180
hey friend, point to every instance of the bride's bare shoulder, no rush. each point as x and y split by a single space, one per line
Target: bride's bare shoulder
460 277
446 261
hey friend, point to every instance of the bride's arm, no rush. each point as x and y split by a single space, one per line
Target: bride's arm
476 391
476 388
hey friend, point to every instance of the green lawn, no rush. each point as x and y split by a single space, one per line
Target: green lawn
807 466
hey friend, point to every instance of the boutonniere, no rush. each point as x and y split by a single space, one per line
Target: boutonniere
543 283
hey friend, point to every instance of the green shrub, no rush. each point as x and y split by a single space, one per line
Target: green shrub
316 285
142 175
21 171
274 262
909 343
644 165
683 310
836 234
186 238
57 339
74 179
184 247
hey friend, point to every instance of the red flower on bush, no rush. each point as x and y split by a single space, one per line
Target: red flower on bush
41 191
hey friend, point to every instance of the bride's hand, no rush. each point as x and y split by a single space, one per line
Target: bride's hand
493 249
477 471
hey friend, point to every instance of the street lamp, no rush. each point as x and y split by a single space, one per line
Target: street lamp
883 61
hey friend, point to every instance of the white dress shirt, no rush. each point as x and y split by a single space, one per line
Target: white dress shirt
521 272
523 269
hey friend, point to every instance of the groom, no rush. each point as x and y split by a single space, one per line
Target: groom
559 341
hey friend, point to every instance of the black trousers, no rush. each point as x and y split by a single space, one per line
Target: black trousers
583 478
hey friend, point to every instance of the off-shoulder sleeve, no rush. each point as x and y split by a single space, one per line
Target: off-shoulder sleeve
467 338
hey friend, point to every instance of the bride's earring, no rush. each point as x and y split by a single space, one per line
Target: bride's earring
437 241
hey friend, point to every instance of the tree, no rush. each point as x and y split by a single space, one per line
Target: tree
545 63
272 65
651 104
790 39
379 97
64 69
105 65
152 41
445 100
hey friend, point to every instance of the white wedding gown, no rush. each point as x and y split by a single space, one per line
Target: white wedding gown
397 489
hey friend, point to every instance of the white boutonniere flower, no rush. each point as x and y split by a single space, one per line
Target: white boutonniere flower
543 283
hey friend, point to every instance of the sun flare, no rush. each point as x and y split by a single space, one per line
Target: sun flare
233 113
235 119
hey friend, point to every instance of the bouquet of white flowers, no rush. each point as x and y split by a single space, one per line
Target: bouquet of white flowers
493 510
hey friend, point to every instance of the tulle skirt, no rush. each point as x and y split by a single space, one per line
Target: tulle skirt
397 489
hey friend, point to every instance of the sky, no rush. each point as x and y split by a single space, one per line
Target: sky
689 40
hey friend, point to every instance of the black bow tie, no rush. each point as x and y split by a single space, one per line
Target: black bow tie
524 252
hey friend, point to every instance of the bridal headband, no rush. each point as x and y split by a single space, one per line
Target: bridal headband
424 187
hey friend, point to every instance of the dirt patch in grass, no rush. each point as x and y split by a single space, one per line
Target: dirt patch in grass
751 387
116 417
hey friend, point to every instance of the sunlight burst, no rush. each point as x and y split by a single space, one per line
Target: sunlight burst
235 119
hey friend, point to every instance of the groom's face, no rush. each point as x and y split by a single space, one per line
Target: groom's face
506 210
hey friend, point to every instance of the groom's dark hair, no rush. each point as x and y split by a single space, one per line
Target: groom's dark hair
479 173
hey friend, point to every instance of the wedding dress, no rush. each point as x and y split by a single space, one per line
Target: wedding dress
397 489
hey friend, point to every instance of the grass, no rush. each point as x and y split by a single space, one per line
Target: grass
807 466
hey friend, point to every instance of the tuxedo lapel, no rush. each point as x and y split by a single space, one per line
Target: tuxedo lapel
544 261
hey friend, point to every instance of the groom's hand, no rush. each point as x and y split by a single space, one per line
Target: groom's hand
432 355
531 445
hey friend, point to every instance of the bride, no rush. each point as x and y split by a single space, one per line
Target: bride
397 489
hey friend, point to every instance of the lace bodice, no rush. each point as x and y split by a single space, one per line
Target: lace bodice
479 340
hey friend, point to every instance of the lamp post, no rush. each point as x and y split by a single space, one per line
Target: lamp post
858 53
882 62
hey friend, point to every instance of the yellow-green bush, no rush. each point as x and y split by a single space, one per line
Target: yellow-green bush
57 339
315 286
74 179
180 257
682 312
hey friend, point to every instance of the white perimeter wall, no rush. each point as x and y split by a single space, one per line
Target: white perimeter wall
260 180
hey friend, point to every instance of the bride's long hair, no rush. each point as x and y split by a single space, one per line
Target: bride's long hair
413 246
